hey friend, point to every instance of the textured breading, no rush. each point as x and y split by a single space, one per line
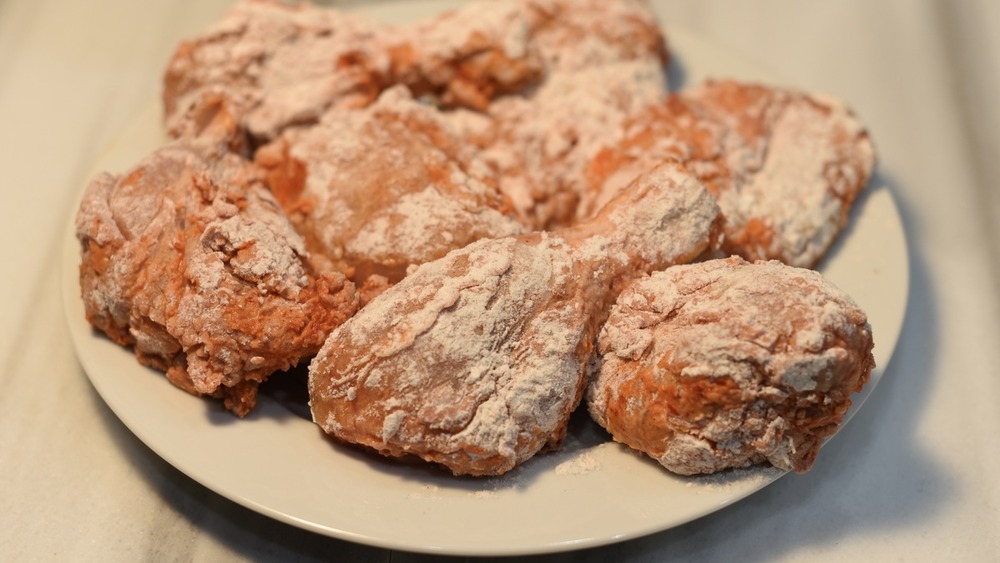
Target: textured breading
785 166
280 64
377 190
476 360
727 363
188 259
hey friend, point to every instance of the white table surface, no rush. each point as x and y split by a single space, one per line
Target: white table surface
914 477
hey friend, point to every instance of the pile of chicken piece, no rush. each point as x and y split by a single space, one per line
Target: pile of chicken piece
473 223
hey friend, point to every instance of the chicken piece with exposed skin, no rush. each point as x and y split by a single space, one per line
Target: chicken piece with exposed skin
785 166
470 56
541 143
279 64
551 82
476 360
378 190
727 363
188 259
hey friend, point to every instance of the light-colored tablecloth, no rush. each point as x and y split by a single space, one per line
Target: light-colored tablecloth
914 477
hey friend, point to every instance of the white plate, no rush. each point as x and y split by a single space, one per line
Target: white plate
590 493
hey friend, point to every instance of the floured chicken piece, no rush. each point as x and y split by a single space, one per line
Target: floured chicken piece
727 364
280 64
785 166
554 79
475 54
378 190
188 259
541 143
476 360
467 57
579 34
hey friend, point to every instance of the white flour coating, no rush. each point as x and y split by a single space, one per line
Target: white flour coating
188 258
282 64
486 50
472 311
785 166
470 29
264 251
393 185
256 245
468 56
659 132
484 349
581 464
571 72
588 33
560 34
417 220
663 217
794 188
545 140
775 350
798 178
